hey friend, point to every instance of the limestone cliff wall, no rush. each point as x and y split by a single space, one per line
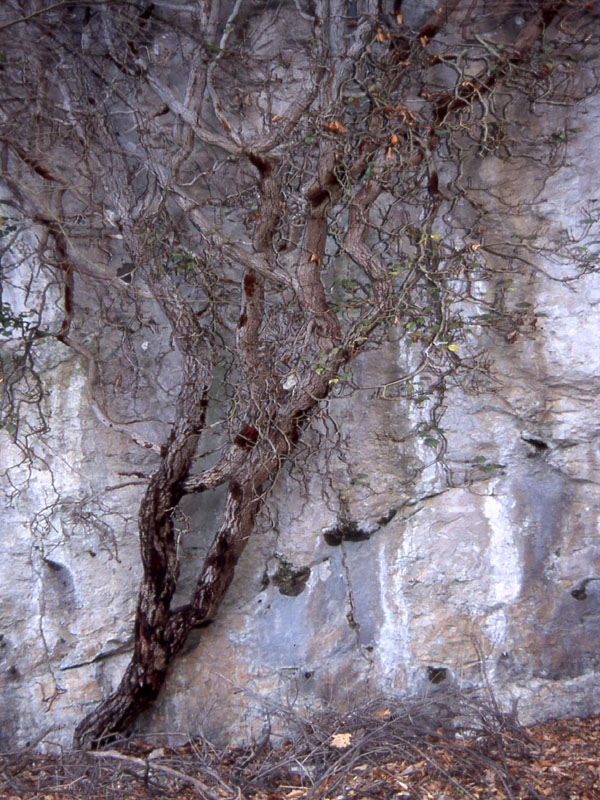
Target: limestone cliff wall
391 564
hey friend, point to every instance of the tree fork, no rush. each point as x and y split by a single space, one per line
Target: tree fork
157 645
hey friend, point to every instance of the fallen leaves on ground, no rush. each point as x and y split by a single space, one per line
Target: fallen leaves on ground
559 759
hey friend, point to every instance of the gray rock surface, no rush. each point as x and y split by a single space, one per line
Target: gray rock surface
378 567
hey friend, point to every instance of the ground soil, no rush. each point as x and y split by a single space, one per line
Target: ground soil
381 752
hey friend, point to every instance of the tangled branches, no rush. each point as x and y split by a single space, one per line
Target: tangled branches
230 204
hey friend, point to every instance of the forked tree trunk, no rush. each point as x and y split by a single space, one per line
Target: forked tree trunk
161 633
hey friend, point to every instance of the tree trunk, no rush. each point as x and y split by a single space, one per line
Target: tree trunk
160 634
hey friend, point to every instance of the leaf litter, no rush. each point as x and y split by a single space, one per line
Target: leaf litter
445 749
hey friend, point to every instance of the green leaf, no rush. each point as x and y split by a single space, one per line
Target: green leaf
431 442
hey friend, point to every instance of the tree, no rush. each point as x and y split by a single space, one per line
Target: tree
272 187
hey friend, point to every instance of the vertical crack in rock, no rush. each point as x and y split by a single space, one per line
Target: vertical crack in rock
46 572
351 614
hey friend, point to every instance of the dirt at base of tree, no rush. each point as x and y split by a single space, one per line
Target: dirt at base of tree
375 753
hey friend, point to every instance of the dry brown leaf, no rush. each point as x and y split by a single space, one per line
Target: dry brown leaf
384 713
335 127
413 768
341 740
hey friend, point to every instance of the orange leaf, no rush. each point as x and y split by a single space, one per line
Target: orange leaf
383 713
335 127
380 36
390 153
314 257
276 118
399 19
394 139
424 40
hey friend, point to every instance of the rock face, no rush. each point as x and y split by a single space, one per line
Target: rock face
408 559
411 572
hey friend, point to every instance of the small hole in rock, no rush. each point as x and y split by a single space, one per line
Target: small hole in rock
538 444
437 674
